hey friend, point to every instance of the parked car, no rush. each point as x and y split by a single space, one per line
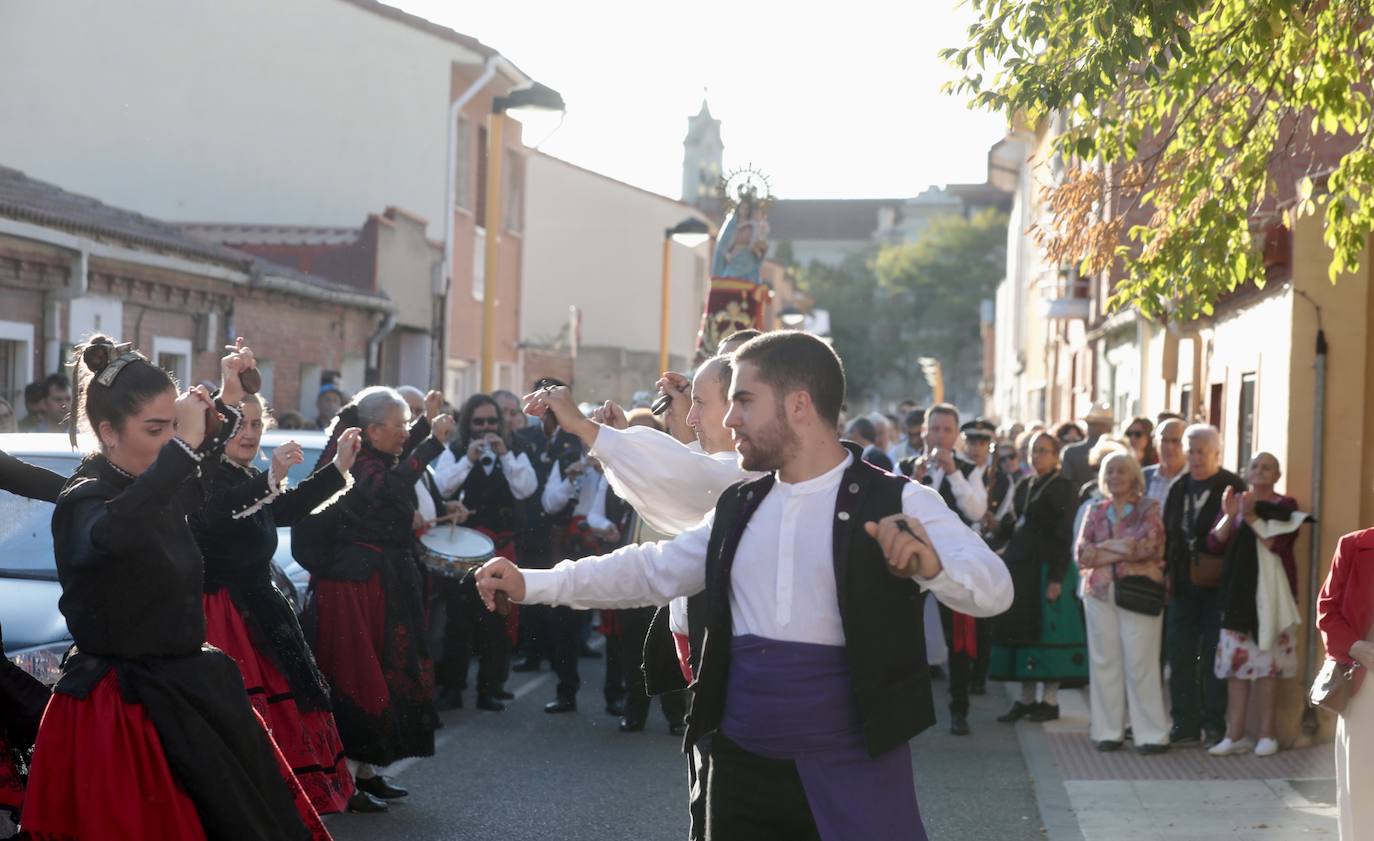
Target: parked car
36 635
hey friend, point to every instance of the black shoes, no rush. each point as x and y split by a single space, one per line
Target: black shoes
677 728
362 802
1150 750
490 704
527 665
1210 737
1044 712
616 708
1018 711
631 726
1109 745
561 705
503 695
958 726
1180 736
380 787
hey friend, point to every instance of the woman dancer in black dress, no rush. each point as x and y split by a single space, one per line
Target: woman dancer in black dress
246 616
149 733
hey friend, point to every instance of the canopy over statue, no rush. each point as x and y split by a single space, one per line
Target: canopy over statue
737 295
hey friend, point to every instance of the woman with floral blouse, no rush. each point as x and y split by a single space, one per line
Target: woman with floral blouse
1122 535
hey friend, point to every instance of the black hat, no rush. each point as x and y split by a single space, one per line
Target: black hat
979 428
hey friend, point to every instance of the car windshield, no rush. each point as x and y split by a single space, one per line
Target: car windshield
299 472
26 525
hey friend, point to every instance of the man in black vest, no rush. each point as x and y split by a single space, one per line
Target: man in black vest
940 467
808 652
547 445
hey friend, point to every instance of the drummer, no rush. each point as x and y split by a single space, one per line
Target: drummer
481 467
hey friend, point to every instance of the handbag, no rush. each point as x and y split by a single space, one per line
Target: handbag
1140 594
1205 570
1331 689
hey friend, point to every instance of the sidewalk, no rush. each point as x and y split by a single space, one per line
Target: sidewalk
1183 795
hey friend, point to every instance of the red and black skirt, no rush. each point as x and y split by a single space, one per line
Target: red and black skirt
308 739
369 641
100 772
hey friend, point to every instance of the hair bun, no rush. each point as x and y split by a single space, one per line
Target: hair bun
98 353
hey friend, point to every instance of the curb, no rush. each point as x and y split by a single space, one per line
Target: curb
1051 796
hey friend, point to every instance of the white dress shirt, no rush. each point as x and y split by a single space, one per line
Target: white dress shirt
670 484
558 492
783 580
451 471
971 497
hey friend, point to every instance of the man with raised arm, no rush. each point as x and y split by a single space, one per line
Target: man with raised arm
806 640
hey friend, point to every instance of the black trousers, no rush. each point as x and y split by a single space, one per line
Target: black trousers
1193 626
753 798
698 779
634 627
567 645
962 667
471 627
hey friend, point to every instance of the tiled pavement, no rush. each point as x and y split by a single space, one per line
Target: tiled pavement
1184 795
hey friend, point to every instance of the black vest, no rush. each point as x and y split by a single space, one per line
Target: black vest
881 614
490 498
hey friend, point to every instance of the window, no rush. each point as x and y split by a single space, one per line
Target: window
1216 405
268 372
174 356
1185 402
481 205
514 210
1245 420
462 169
479 264
310 389
16 363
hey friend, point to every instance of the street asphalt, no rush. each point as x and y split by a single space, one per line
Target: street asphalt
523 775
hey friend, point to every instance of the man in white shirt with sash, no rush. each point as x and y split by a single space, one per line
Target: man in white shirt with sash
808 653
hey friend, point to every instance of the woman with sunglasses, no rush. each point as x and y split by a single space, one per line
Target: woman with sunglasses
1140 435
492 478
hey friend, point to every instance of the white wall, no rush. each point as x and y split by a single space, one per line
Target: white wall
307 111
597 244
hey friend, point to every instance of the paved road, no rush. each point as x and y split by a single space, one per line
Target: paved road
522 774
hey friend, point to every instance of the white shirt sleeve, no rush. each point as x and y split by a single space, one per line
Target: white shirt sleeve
450 472
596 517
671 485
558 492
972 497
519 474
974 580
650 574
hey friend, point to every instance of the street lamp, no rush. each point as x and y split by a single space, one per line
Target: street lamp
690 232
531 97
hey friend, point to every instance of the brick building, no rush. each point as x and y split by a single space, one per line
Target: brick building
71 266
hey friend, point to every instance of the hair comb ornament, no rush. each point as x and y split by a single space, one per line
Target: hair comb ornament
122 354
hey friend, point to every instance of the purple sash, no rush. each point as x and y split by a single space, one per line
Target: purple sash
791 700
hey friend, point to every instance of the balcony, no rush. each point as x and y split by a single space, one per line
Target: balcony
1065 297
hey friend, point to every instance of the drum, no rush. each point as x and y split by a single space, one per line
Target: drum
453 551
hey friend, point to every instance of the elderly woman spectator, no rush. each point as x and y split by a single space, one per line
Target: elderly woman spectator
1345 616
1248 524
1123 536
1040 638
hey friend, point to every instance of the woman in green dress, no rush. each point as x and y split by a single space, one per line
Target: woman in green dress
1041 639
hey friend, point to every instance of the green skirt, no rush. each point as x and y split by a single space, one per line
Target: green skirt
1062 651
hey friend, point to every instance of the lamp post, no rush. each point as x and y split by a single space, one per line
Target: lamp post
690 232
534 97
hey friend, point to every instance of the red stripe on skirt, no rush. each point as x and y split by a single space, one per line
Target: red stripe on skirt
309 740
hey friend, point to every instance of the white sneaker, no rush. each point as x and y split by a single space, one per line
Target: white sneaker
1267 747
1226 747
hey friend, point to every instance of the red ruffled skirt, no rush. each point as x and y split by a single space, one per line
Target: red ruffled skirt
99 773
309 740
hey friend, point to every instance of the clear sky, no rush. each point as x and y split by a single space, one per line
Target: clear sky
840 100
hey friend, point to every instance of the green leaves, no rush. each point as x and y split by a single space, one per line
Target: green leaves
1190 124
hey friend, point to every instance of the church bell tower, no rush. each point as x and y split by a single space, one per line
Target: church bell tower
702 157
